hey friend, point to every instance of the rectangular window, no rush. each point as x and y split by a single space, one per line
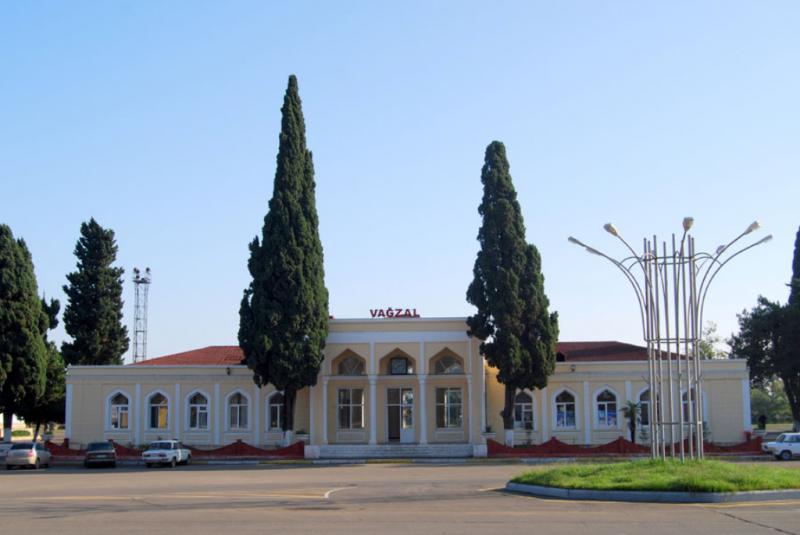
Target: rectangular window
449 414
275 416
565 414
350 406
523 416
238 417
198 417
119 417
158 416
606 414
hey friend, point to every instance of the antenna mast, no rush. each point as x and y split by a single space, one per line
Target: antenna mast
141 283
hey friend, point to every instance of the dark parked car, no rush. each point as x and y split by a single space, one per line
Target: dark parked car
100 453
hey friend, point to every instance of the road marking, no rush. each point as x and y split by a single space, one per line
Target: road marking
327 495
749 504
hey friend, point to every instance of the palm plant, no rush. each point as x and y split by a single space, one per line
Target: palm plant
631 411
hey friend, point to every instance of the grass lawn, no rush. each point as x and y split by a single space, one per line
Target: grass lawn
691 476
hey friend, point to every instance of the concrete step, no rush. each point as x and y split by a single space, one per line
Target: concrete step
395 451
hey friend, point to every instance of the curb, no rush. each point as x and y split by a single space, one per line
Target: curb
653 497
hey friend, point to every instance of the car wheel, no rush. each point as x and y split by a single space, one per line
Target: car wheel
86 464
149 465
114 464
786 455
9 467
173 463
36 464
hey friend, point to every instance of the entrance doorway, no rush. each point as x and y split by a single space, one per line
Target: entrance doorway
400 415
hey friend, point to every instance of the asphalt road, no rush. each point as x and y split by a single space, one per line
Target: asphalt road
384 498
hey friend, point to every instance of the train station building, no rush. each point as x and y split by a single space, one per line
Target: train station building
389 387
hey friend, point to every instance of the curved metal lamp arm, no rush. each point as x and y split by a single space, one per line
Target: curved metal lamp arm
625 271
705 286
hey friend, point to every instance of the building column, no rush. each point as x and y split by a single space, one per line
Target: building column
483 395
470 411
423 410
68 415
217 428
311 411
325 410
628 397
256 415
587 415
545 417
747 421
137 415
177 411
373 410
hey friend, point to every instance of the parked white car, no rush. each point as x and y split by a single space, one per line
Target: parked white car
32 454
166 452
784 447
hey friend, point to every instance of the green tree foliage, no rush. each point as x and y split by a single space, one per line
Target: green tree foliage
709 343
518 333
23 353
49 406
283 316
770 400
769 338
93 316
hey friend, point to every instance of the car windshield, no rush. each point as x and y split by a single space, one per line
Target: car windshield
100 446
781 438
161 446
22 446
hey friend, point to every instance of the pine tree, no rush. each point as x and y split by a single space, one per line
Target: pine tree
518 333
284 312
23 354
769 338
93 316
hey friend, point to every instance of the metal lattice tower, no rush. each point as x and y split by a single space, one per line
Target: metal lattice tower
141 285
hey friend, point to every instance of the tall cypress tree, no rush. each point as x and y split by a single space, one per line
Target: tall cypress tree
49 406
518 333
93 316
23 354
283 316
794 284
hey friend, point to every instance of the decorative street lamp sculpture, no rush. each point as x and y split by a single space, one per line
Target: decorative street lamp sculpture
671 288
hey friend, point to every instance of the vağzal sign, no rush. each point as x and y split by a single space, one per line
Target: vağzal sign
393 312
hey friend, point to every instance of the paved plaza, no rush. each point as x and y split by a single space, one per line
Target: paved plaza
374 498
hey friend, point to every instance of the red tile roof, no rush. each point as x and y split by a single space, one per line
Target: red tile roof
600 351
207 356
572 352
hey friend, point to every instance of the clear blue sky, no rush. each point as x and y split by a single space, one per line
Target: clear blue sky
160 119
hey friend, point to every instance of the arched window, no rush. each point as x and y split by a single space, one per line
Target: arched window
275 412
118 409
198 412
523 412
448 365
565 410
644 407
351 365
159 412
237 411
606 404
400 366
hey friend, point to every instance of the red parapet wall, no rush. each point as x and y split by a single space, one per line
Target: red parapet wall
620 446
237 449
242 449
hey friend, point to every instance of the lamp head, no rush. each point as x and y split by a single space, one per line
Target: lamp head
687 223
755 225
611 229
720 249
